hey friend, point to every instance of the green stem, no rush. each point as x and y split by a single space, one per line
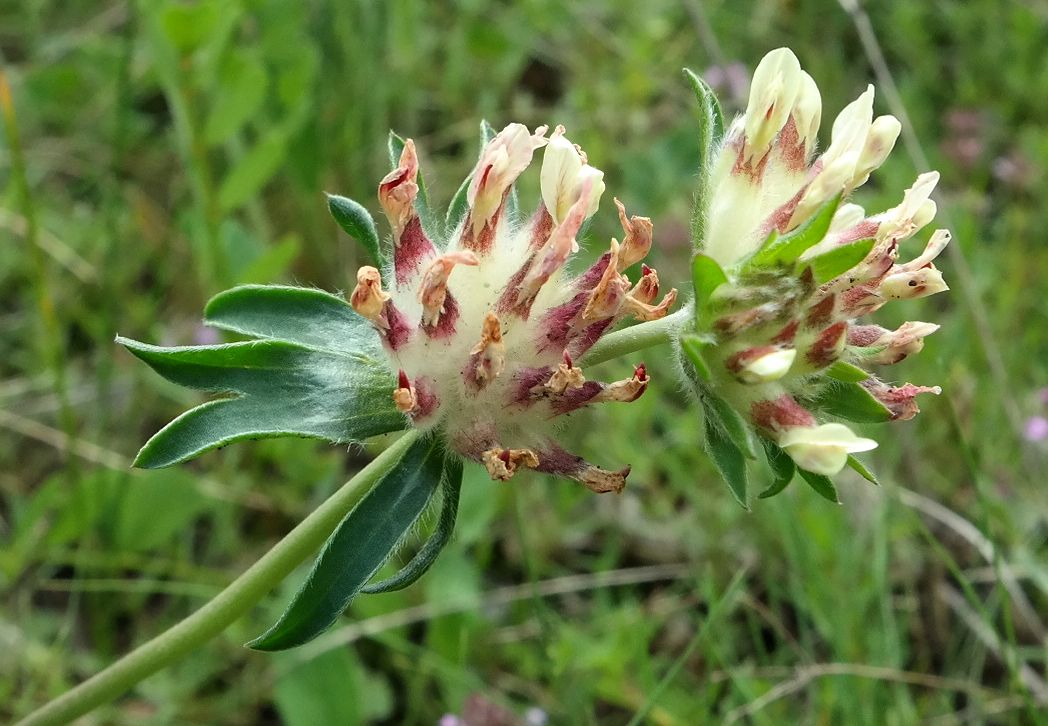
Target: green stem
239 597
637 337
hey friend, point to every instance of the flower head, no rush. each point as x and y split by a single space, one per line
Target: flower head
793 268
483 329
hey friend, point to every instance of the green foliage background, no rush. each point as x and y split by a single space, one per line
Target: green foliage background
171 149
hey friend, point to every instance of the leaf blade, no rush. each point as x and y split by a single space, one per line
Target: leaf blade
282 389
710 134
451 487
782 467
728 460
852 402
357 222
358 548
302 315
822 485
839 260
706 276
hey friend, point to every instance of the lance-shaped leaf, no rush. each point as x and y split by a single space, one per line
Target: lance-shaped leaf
852 402
706 277
359 547
318 373
727 419
451 486
782 469
787 248
277 388
862 470
839 260
846 372
310 317
358 224
728 459
694 346
710 132
820 484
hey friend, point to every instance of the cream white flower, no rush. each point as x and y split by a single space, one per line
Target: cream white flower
823 449
789 308
564 173
774 90
501 162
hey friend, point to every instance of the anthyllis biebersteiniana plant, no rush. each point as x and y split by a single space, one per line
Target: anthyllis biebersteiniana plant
470 332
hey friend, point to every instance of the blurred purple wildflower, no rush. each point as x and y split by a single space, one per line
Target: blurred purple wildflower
1036 429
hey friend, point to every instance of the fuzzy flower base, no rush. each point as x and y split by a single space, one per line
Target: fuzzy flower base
482 330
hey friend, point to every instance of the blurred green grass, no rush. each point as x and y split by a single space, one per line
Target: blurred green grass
173 149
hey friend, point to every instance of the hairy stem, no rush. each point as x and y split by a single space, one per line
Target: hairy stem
214 617
637 337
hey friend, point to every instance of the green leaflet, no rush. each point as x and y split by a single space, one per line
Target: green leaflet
852 402
862 470
451 486
283 389
787 248
358 224
459 205
359 547
317 372
310 317
693 345
706 277
728 459
710 135
729 421
782 469
821 484
846 372
839 260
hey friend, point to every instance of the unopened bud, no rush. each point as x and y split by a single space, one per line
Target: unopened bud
773 92
884 131
761 365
